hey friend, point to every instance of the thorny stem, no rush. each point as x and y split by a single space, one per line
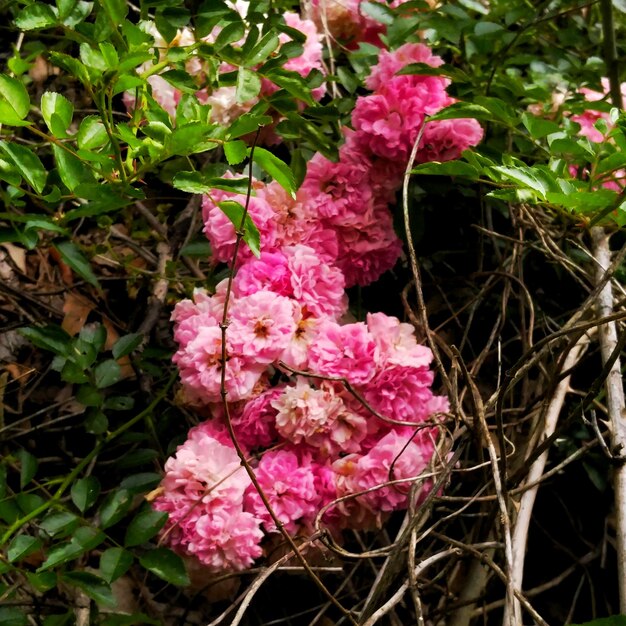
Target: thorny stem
240 233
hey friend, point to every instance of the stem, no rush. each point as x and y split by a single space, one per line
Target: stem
240 232
615 403
527 502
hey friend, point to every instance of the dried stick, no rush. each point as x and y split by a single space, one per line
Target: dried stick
615 401
527 502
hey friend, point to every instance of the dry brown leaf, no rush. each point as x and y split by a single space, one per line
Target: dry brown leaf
76 309
17 254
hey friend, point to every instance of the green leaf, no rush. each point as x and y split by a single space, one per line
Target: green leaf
276 168
14 100
62 523
181 80
119 403
262 49
538 127
12 616
114 563
141 483
247 123
525 177
28 467
114 507
72 170
22 546
115 9
229 34
126 344
235 151
192 139
107 373
166 565
234 211
292 83
34 16
145 525
94 586
83 540
71 65
85 492
43 581
71 254
449 168
248 85
89 396
462 110
380 12
28 163
57 111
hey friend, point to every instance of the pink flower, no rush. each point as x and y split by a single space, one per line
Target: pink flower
311 57
348 352
334 189
318 418
396 342
369 248
203 491
270 272
263 324
389 121
200 364
254 423
296 355
317 286
446 139
401 393
226 540
390 62
289 485
395 457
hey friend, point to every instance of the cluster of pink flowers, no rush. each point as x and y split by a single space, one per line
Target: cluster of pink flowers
337 417
309 439
341 210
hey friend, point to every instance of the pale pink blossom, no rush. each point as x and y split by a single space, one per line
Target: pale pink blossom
318 417
200 363
396 342
262 325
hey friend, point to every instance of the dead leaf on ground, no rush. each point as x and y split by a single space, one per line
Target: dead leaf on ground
17 254
76 309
